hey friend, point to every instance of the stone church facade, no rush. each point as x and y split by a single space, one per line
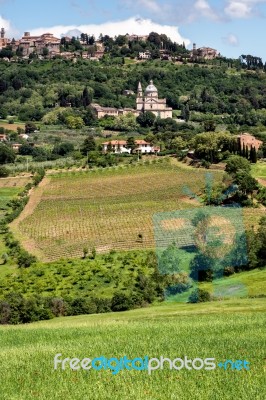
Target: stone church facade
149 101
146 101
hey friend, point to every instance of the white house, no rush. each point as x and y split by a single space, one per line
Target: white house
120 146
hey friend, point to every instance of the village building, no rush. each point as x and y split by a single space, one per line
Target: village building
206 53
120 146
36 44
145 55
3 138
247 140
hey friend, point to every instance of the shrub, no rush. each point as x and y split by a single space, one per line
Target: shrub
121 302
199 296
4 172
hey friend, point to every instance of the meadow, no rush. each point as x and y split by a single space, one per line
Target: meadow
217 330
104 209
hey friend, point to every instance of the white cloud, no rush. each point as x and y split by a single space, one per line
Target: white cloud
231 40
137 26
10 31
204 8
242 8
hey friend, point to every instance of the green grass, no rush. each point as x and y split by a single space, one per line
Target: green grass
251 283
6 194
259 170
221 330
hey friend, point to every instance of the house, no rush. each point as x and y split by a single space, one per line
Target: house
245 139
16 146
137 38
120 146
36 44
3 138
145 55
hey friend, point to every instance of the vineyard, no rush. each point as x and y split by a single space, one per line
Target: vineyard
105 209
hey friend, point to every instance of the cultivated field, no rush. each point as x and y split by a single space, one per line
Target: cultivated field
105 209
12 127
217 330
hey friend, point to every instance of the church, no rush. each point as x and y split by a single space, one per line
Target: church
147 101
150 102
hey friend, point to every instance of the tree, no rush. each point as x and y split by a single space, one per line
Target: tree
7 155
131 144
209 126
89 145
30 127
237 163
185 113
74 122
146 119
246 183
63 148
86 97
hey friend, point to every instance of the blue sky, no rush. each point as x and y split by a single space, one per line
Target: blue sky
233 27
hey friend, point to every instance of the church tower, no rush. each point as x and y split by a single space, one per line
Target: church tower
140 100
3 33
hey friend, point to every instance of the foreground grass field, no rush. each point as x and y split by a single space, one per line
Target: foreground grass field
221 330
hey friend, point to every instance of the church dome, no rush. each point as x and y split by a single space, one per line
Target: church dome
151 88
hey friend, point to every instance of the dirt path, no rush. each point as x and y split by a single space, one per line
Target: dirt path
262 181
35 196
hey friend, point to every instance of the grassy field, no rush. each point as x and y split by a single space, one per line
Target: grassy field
259 170
217 330
105 209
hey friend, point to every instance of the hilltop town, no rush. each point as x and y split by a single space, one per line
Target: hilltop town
142 47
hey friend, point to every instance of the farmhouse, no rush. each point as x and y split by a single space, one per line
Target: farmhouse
245 139
120 146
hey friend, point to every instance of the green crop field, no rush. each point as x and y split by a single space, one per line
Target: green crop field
216 330
105 209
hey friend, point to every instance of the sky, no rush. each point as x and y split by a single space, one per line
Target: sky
233 27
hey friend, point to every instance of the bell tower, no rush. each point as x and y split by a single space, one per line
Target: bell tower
3 32
140 100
